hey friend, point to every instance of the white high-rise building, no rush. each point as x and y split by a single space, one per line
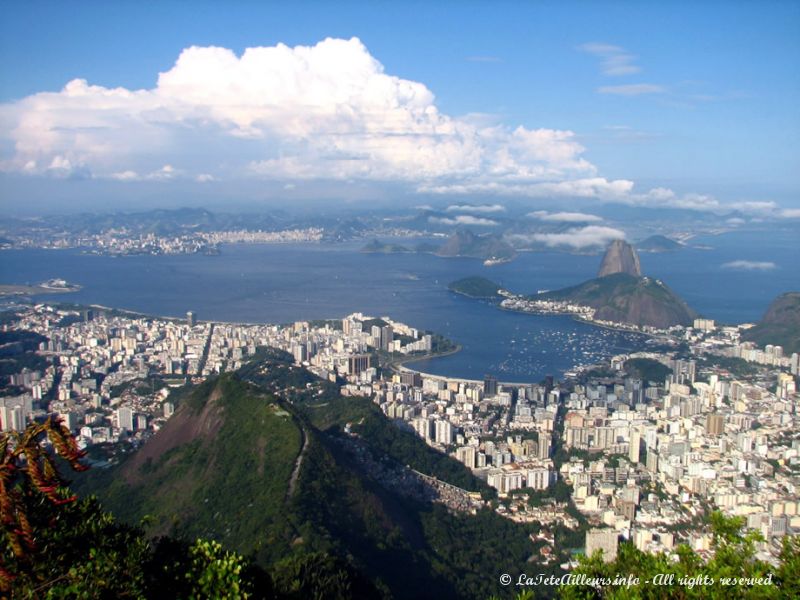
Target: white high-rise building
422 425
125 418
545 444
636 443
467 455
12 418
18 420
444 432
539 478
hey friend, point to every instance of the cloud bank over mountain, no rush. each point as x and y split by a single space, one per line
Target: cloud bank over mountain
576 238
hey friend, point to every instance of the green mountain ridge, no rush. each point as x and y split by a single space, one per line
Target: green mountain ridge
780 325
273 463
176 479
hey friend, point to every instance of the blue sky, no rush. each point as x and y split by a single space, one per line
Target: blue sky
697 98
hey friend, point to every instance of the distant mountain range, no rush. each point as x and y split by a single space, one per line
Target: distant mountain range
462 242
377 247
780 325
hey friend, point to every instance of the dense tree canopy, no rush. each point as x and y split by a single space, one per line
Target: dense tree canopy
733 572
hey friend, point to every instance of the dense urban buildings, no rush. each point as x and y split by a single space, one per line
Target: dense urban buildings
639 453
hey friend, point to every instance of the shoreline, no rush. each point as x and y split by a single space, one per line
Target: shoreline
400 367
492 300
403 361
578 319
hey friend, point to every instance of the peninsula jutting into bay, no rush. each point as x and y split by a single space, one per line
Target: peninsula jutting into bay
619 296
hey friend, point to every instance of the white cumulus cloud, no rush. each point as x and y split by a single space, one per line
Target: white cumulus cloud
125 176
750 265
755 207
564 217
463 220
592 187
578 238
476 208
328 111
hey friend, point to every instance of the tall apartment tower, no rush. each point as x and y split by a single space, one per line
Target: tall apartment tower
545 445
634 454
387 337
715 424
489 385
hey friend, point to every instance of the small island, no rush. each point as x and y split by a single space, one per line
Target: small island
658 243
376 247
476 287
487 247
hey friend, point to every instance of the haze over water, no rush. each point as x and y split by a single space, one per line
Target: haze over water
284 283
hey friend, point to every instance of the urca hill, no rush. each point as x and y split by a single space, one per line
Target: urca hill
780 324
620 293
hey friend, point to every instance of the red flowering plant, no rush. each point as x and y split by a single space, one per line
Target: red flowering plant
29 476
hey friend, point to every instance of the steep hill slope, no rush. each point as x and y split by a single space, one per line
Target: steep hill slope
273 462
780 324
227 447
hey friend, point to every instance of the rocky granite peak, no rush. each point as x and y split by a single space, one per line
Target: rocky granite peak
620 257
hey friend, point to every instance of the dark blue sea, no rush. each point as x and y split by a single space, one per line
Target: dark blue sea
284 283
